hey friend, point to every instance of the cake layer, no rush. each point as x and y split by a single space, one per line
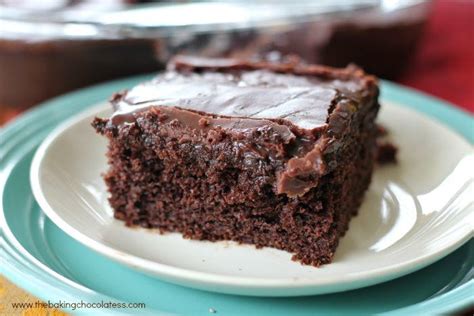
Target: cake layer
190 162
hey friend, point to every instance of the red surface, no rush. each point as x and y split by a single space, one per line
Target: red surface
444 63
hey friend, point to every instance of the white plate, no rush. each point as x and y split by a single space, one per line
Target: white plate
413 214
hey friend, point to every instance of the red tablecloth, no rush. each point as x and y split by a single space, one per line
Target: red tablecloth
444 63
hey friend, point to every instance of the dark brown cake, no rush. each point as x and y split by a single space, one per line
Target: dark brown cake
270 154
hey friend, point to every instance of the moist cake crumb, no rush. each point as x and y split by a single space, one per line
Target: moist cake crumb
386 152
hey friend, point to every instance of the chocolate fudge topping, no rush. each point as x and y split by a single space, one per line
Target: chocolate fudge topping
243 90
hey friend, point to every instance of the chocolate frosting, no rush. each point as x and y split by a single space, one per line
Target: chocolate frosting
224 87
256 94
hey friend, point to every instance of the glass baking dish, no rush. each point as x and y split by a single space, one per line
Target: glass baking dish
52 46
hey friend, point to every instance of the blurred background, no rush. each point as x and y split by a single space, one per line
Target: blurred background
50 47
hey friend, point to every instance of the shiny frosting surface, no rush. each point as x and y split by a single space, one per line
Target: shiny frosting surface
252 94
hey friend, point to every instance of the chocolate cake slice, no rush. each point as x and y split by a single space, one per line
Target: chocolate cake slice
264 153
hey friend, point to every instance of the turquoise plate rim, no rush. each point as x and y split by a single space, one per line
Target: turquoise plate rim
28 273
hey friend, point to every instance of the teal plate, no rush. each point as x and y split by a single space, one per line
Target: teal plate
39 257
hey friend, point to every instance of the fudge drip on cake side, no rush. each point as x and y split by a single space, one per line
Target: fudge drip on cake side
270 154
